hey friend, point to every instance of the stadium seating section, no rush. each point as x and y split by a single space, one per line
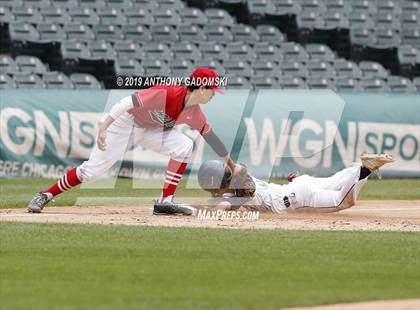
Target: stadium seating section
362 45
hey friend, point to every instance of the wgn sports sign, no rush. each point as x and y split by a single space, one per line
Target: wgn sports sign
274 132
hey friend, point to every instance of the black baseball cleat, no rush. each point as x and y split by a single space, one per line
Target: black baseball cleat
168 208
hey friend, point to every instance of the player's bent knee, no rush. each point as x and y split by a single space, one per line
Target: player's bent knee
183 153
87 175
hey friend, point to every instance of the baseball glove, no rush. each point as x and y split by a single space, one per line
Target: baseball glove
242 184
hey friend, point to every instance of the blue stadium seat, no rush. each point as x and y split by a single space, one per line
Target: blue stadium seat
128 67
158 51
137 33
56 80
294 51
64 4
119 4
11 3
270 34
373 69
410 20
237 68
320 51
84 81
74 50
51 32
287 7
185 50
264 82
166 17
213 51
111 16
386 37
101 49
127 49
411 36
368 7
388 7
346 68
309 20
319 68
78 32
293 68
145 4
407 54
290 82
212 64
244 33
30 64
96 4
181 67
163 33
241 50
266 68
361 20
193 16
28 80
386 20
83 15
55 15
342 6
268 51
218 33
108 32
238 82
37 3
192 33
313 6
335 20
361 36
6 15
156 67
375 84
6 82
27 14
8 65
316 82
171 4
142 16
401 84
410 6
219 17
344 83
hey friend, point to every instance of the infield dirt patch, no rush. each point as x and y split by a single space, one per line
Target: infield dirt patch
395 215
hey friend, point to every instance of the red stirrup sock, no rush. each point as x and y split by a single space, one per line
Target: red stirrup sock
174 174
67 181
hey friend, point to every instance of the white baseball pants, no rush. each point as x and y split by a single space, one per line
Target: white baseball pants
122 135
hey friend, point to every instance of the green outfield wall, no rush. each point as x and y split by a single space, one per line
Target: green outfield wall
274 132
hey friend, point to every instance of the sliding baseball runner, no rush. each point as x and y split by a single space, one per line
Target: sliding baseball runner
147 118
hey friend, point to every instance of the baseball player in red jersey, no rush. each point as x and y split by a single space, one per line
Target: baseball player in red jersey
147 118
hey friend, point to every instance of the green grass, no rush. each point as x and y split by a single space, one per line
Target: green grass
17 193
45 266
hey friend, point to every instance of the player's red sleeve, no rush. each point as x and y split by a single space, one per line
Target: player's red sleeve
199 122
150 98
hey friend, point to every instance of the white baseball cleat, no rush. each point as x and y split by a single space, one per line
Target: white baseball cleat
375 161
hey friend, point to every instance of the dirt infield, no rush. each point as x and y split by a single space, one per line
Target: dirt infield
396 215
408 304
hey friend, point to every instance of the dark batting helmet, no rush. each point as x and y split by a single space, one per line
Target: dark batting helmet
214 175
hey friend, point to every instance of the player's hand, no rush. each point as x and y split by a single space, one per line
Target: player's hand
101 140
238 169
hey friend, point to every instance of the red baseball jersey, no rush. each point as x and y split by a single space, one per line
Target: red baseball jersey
163 106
